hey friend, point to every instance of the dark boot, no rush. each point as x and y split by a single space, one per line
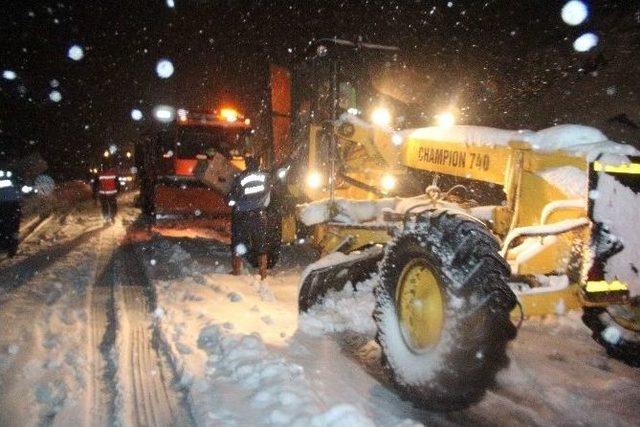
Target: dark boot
262 266
236 263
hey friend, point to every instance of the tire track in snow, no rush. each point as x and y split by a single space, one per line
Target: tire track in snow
101 336
144 376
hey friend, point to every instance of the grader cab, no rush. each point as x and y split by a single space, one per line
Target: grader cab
464 228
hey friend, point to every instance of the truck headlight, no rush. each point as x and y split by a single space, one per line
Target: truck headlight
387 183
314 179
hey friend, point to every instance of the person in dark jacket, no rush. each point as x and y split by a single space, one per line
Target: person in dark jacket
249 198
10 212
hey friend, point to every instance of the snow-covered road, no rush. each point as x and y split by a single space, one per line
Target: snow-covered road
113 326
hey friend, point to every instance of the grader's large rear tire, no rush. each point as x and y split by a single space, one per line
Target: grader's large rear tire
442 311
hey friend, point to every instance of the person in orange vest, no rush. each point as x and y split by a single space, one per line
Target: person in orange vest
108 187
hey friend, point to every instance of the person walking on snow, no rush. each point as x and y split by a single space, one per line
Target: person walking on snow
10 211
108 193
249 197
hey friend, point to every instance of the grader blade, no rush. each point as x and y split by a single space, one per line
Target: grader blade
320 280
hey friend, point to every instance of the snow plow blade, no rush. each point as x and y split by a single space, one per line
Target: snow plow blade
333 272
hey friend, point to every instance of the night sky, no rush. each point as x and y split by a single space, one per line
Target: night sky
504 63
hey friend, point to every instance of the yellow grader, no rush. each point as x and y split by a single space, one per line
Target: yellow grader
467 230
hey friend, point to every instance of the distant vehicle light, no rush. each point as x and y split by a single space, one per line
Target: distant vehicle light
26 189
164 113
446 119
1 174
397 139
388 183
314 179
9 174
381 116
5 183
229 114
106 153
353 111
232 203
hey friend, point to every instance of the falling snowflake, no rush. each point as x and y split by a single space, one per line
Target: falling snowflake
136 114
164 68
574 12
171 3
55 96
54 83
585 42
75 52
9 74
611 90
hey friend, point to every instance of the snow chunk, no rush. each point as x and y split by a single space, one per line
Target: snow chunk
158 313
75 52
347 310
346 211
234 297
342 415
13 349
612 334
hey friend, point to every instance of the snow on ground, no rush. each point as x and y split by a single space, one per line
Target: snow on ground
247 358
238 349
44 370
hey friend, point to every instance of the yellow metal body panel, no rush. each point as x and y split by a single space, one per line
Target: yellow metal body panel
487 164
329 237
549 302
630 168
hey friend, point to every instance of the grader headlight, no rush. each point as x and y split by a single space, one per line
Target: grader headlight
388 183
314 180
381 116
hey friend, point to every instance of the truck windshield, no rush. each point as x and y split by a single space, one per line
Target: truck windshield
192 141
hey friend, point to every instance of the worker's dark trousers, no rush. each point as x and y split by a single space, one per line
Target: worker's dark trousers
109 205
9 226
250 229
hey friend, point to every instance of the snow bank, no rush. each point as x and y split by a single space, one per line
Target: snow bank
348 310
271 389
